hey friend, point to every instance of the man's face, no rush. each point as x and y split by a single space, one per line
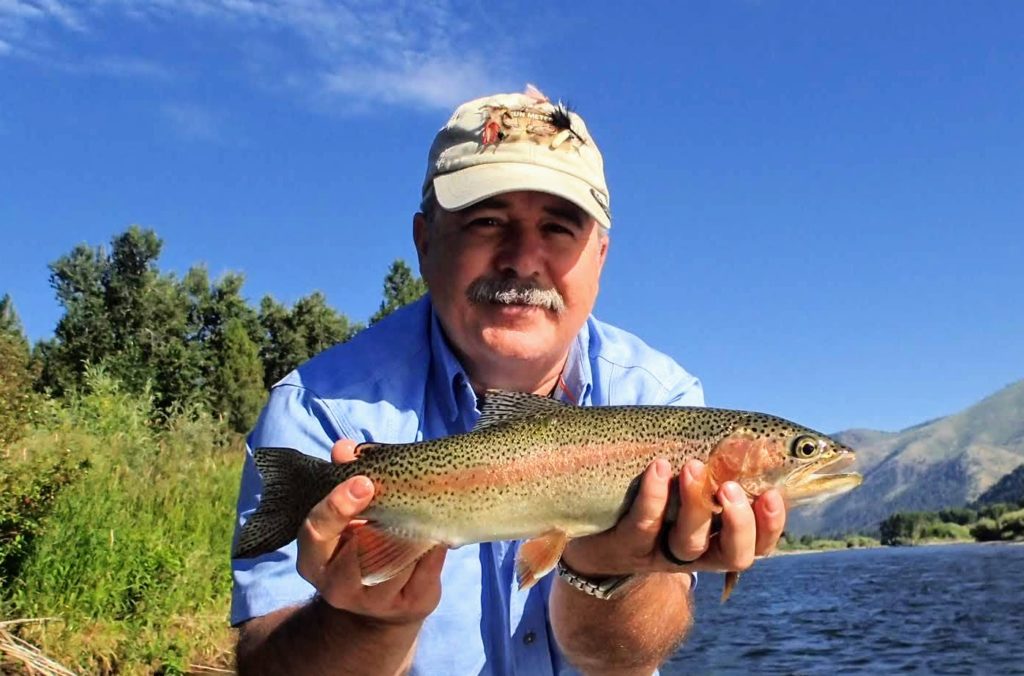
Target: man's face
512 241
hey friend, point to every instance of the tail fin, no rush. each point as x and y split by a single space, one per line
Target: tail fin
293 483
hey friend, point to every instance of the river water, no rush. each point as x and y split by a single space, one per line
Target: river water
950 609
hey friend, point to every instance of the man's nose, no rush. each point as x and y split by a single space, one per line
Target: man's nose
521 252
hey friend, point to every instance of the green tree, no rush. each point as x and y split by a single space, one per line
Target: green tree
84 333
959 515
17 398
290 337
10 323
401 287
212 307
239 378
282 347
120 311
907 527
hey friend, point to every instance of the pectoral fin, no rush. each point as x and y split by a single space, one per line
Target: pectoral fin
383 555
538 556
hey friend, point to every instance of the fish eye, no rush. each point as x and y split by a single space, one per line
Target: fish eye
805 447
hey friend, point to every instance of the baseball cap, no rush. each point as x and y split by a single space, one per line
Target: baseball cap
509 142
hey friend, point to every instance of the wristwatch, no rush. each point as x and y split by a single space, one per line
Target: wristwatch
603 588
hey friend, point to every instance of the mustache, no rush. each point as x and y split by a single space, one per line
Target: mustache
515 291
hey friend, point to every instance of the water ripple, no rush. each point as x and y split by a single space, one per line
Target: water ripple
956 609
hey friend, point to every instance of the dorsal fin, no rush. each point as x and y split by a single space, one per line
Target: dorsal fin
501 406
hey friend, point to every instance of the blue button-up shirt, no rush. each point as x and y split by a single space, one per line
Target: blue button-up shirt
398 381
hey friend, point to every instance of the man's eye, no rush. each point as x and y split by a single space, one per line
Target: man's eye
484 222
558 229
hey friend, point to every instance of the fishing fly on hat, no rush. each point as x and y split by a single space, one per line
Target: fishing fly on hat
511 142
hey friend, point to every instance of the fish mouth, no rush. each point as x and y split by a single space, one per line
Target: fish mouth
821 480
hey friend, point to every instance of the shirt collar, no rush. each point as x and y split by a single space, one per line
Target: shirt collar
576 381
449 378
447 375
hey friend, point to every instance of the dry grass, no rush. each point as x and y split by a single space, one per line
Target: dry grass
24 656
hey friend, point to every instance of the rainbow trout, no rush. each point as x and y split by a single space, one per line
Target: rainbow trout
536 469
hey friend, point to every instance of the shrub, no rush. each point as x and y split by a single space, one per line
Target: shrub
132 557
18 401
986 530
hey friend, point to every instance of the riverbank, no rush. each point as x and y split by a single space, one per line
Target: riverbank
923 543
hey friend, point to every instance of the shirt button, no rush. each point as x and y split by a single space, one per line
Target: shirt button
529 637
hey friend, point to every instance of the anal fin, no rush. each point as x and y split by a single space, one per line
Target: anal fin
731 578
538 556
383 555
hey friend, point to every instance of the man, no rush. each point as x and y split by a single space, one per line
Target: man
512 237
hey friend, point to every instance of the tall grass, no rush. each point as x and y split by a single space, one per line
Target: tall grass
132 558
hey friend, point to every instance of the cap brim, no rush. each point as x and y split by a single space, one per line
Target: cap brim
468 186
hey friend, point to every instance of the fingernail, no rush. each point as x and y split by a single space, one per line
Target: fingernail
360 488
733 492
662 469
696 471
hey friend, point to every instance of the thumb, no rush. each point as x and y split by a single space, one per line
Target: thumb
344 450
322 529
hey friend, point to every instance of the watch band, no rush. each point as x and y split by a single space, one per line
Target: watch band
603 588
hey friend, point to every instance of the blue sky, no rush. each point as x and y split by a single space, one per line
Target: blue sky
818 206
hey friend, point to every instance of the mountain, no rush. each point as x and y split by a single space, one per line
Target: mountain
947 462
1008 489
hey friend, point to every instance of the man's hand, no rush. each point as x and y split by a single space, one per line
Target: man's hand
353 629
633 545
328 558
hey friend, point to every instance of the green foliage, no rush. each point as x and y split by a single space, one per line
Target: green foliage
117 504
1000 521
1007 526
401 287
119 312
995 510
132 555
239 378
18 401
103 406
168 339
10 324
986 530
959 515
904 528
29 485
293 336
808 542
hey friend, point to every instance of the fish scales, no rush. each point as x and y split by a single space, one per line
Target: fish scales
533 467
553 468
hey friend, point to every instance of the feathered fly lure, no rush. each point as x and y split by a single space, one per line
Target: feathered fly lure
561 119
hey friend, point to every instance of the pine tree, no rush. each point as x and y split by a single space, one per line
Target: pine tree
17 398
401 287
293 336
239 378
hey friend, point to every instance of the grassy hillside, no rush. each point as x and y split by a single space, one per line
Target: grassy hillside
128 554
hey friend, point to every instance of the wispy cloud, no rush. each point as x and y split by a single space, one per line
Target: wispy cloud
21 19
347 54
192 121
436 81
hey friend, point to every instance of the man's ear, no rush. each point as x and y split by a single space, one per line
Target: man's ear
421 237
602 252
